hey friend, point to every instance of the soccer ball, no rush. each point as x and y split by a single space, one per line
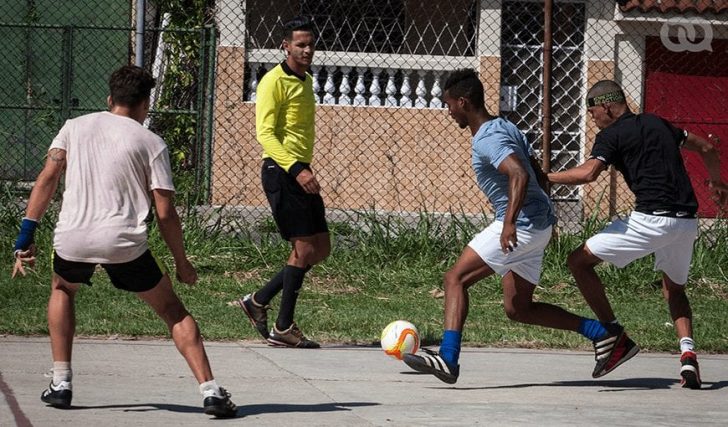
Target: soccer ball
399 338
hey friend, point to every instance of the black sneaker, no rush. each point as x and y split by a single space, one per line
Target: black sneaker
433 363
59 395
220 406
612 350
258 314
689 371
291 337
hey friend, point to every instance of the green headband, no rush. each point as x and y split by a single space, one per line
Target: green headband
617 96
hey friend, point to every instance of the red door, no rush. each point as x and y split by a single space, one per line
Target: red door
690 89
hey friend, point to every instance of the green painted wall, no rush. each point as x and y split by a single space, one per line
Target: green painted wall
50 74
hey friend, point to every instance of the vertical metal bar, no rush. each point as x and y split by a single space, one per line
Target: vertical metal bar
28 102
200 114
212 61
140 12
547 55
66 72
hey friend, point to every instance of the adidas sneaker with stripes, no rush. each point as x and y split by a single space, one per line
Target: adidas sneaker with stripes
612 351
433 363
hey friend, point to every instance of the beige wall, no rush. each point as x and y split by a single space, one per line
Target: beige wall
383 158
376 157
490 74
365 157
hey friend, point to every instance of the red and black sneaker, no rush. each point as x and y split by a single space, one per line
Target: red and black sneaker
689 371
612 350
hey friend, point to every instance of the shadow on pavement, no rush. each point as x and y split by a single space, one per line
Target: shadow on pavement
609 385
144 407
275 408
714 386
243 410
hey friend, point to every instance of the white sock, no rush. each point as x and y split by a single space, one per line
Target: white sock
210 388
686 344
62 372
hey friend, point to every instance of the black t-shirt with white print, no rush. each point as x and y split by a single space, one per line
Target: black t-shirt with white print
645 148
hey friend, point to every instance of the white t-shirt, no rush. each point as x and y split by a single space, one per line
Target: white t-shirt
112 164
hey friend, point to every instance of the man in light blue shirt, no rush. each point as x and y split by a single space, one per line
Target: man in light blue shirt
492 144
513 245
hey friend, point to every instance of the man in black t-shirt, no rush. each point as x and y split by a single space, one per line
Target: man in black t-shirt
646 150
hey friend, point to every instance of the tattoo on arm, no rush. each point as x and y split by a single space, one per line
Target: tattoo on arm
57 155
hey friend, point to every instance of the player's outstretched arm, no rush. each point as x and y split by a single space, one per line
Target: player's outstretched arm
583 174
171 229
40 197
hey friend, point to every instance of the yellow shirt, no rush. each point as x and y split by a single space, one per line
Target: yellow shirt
284 116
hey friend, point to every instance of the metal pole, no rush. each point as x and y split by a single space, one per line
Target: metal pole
212 61
140 9
547 54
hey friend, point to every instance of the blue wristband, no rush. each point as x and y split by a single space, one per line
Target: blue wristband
26 234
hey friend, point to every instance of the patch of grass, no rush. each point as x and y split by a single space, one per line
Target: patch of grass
382 268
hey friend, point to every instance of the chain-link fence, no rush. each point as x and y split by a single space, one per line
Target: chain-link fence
384 140
56 65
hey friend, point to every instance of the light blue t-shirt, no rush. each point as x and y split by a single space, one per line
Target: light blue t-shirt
495 140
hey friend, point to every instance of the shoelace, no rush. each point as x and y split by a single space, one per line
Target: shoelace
297 332
430 352
224 392
226 396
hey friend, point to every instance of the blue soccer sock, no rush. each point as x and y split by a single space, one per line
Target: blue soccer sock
592 328
450 346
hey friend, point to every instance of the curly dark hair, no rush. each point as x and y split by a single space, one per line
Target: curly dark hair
465 83
130 85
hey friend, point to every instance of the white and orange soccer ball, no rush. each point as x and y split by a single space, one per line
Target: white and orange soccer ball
399 338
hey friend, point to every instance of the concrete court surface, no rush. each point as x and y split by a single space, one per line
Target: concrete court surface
147 383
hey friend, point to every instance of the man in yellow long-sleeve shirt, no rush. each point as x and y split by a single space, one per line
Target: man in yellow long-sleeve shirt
284 122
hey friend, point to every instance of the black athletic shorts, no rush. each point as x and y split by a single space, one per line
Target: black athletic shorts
297 213
139 275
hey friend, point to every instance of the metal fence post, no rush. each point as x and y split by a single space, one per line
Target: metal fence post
547 55
140 11
66 72
200 114
210 94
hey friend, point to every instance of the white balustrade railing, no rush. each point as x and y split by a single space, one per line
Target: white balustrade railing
415 81
331 85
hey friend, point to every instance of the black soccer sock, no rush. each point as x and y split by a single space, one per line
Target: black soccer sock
292 282
270 290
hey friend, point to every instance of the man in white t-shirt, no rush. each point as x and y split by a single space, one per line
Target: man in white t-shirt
114 170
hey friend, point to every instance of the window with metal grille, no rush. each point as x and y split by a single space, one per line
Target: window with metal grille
369 52
522 39
357 26
411 27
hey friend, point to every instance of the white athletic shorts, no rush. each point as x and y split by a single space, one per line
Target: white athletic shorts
670 239
526 258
